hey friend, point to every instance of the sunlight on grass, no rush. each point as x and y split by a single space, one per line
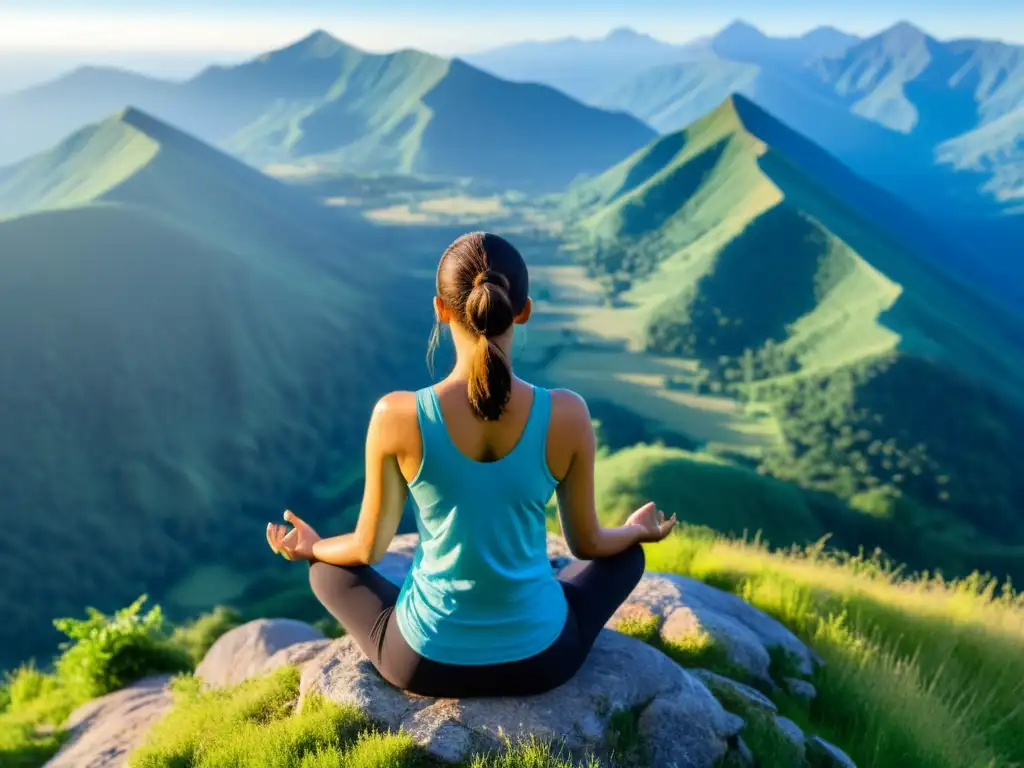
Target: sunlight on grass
918 671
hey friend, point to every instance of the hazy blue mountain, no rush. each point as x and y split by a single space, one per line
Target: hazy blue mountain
744 42
932 121
996 150
910 82
325 102
34 119
587 69
578 67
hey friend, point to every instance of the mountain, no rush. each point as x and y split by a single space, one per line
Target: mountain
179 334
675 95
737 244
324 102
590 69
36 118
932 122
744 42
910 82
580 68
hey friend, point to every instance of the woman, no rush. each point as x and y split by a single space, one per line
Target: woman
481 613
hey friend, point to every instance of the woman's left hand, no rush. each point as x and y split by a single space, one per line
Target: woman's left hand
296 544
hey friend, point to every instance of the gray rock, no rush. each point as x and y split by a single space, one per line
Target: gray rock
801 689
680 721
297 655
688 606
791 731
751 695
244 651
104 731
825 753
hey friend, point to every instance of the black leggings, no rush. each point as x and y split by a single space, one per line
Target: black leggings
363 602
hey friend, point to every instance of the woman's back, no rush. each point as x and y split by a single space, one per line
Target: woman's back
481 589
482 453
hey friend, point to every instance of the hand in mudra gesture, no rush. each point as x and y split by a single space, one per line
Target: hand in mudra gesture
294 544
651 522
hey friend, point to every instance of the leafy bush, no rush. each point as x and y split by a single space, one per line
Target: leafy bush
106 653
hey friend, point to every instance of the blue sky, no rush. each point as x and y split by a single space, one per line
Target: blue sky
452 26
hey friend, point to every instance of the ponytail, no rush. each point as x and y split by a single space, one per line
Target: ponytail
489 313
483 281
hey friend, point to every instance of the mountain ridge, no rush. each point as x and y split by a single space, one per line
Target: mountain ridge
178 332
320 100
718 247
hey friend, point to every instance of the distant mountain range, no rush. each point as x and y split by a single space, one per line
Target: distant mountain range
586 69
323 102
936 122
178 332
736 243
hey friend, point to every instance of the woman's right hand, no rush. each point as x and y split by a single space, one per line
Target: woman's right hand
651 523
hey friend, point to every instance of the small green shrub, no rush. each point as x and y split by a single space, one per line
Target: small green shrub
106 653
198 635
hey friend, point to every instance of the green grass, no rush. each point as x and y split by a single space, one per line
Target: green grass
102 654
769 745
255 724
918 672
698 650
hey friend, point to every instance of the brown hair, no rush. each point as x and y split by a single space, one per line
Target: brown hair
483 280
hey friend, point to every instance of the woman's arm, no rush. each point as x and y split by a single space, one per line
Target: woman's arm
384 495
577 508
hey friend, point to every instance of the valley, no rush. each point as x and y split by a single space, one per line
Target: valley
784 271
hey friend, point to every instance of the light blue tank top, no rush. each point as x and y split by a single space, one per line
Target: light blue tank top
481 589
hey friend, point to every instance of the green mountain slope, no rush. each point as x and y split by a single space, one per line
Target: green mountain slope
325 103
169 384
721 245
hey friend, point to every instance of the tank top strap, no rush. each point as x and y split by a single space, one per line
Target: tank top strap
428 413
536 434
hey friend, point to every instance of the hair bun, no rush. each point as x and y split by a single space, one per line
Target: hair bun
490 277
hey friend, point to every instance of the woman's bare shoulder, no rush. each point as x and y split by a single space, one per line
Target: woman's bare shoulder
568 407
396 406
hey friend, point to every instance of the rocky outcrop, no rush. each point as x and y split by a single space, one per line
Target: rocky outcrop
750 696
105 730
244 651
687 607
675 711
679 720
